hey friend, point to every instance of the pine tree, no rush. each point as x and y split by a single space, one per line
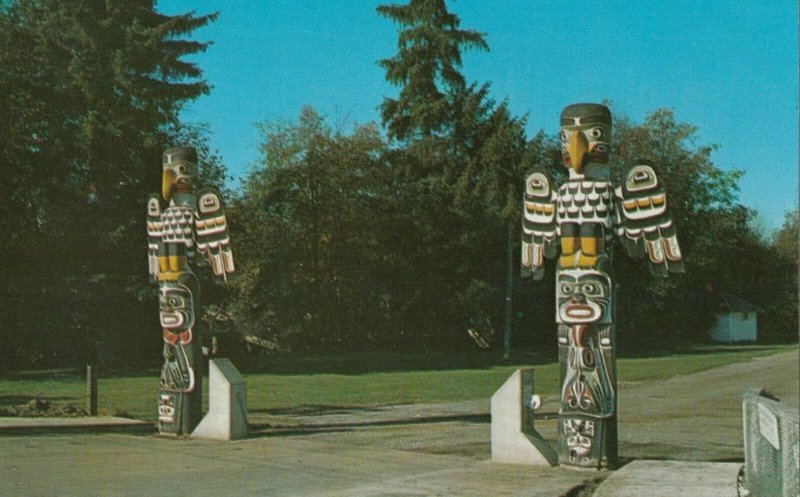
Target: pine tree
91 92
426 68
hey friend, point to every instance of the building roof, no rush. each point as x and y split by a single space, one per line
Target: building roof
731 303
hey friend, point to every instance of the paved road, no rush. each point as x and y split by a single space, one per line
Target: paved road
699 416
694 417
319 465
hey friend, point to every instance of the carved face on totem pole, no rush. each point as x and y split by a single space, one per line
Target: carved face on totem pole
586 140
580 437
584 311
583 297
176 309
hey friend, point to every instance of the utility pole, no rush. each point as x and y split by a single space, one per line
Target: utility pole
509 291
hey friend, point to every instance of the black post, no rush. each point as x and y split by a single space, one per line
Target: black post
91 389
509 290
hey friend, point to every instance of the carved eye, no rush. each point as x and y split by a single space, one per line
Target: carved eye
182 169
538 185
601 148
641 177
174 302
596 133
208 203
592 290
566 289
564 136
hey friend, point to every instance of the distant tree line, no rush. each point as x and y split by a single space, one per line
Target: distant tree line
348 238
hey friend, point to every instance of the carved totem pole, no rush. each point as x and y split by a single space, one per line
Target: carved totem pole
583 214
182 226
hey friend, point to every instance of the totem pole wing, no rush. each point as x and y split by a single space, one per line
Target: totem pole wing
644 223
538 223
211 233
154 230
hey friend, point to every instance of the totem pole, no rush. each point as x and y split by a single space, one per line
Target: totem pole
583 214
182 226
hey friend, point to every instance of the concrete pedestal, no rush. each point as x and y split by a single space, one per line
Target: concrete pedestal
227 403
514 440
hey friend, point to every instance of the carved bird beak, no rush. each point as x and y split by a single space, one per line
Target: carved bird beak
167 181
578 147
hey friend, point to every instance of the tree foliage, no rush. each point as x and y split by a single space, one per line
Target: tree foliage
724 253
310 229
779 283
352 241
89 96
343 238
426 67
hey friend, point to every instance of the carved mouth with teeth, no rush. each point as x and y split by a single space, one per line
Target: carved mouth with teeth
583 313
171 320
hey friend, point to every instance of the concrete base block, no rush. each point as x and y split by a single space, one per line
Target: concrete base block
514 440
227 403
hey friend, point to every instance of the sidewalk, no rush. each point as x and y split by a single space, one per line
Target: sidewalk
409 460
89 424
405 450
671 479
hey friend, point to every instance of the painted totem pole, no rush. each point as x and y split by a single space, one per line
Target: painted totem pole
183 226
583 214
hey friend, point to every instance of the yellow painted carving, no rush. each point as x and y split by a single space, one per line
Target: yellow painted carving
578 147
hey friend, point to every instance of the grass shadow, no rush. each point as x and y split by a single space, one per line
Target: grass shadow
313 410
267 430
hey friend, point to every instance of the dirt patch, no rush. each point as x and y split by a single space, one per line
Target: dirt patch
38 408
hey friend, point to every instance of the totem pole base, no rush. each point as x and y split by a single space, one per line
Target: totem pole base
227 403
587 443
514 439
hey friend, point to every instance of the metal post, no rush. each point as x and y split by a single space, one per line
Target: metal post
91 389
509 290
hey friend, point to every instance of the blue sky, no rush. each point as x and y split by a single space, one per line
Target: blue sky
727 66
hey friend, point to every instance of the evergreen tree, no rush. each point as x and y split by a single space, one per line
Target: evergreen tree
90 96
458 172
426 68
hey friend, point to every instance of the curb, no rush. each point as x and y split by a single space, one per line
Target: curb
59 426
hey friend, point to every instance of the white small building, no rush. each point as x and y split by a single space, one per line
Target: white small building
736 320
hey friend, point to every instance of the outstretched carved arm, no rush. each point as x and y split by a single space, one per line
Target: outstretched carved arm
211 233
644 223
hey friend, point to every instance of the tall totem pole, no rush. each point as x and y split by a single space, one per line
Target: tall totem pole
182 226
584 214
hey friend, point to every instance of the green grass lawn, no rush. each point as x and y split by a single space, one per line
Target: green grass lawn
136 395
